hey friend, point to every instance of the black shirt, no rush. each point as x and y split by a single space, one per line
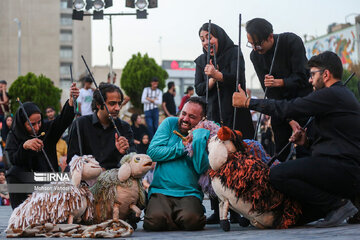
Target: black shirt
289 64
99 142
168 99
337 119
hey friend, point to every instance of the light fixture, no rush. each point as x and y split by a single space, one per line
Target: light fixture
153 3
79 5
141 4
98 5
141 14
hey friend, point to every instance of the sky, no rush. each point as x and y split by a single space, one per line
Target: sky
170 31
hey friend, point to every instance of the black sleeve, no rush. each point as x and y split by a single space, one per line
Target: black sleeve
200 84
61 122
298 77
315 103
229 75
17 154
73 147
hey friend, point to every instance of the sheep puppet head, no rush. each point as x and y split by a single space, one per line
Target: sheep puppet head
84 168
134 165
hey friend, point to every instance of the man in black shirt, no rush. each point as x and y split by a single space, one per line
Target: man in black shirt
289 75
168 104
320 182
98 135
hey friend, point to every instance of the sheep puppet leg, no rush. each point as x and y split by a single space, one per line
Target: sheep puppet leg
136 210
116 211
223 211
70 219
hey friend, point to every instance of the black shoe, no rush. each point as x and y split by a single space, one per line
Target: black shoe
244 222
213 219
225 225
337 216
234 217
355 219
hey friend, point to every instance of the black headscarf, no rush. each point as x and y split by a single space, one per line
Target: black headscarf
224 44
18 125
142 148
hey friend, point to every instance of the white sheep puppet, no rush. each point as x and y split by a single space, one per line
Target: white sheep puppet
69 203
241 181
118 193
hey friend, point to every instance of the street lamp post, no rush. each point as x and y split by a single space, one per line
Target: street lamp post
19 45
111 51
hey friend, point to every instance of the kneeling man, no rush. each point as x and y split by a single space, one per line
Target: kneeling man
175 196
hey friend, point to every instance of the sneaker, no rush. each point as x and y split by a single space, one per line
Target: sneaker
213 219
337 216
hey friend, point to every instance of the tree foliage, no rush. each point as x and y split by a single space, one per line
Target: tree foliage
37 89
354 83
137 74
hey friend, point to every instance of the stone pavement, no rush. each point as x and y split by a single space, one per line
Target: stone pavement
343 232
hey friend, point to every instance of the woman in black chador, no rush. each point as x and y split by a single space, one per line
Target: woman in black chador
226 59
24 149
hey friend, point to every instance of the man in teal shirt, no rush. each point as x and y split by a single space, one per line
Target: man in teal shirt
175 196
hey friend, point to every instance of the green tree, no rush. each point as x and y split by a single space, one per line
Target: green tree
37 89
353 83
137 75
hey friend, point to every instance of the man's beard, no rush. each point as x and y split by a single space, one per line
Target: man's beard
319 84
184 131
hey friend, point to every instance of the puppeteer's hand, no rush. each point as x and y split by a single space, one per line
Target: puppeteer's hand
299 137
34 144
74 91
239 99
270 81
295 126
121 144
210 69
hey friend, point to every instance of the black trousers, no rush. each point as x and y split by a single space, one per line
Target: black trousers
318 183
165 213
15 198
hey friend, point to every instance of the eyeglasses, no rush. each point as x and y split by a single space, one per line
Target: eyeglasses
256 46
312 74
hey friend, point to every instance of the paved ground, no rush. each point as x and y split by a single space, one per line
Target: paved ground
343 232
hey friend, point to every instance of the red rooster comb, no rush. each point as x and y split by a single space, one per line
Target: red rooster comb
225 133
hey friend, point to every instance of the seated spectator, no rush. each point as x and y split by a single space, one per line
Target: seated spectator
138 128
5 129
4 194
50 114
61 152
144 144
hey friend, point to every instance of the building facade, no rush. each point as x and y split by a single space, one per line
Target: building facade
345 42
50 41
